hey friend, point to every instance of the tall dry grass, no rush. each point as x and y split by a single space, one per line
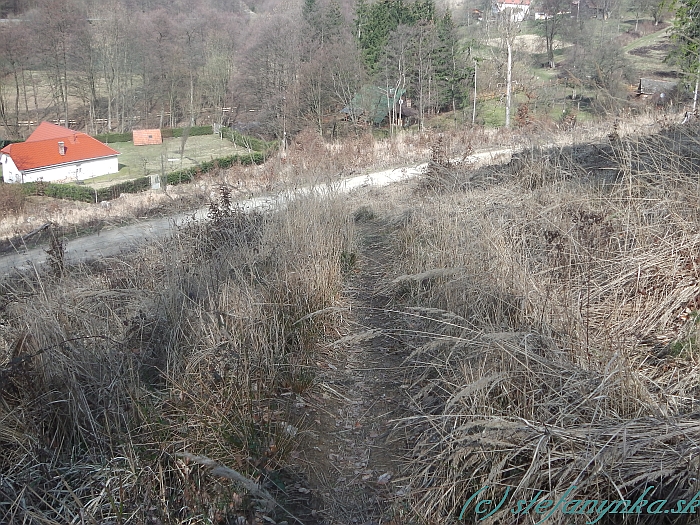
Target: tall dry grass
196 345
563 293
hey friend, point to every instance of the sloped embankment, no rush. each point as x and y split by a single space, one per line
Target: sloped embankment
121 380
564 358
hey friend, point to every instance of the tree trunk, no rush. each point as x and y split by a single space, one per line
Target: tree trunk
508 81
474 107
695 94
550 45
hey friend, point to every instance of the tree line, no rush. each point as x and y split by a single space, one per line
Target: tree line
112 65
271 67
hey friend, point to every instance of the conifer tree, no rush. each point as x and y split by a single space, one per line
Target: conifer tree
686 34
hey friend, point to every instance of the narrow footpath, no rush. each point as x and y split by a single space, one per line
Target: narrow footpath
352 454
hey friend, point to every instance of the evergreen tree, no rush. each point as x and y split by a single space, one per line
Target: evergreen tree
333 20
407 43
686 34
450 71
377 21
311 12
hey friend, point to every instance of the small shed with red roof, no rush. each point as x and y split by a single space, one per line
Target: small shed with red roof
57 154
147 137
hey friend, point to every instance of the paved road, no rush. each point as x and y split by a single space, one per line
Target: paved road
122 239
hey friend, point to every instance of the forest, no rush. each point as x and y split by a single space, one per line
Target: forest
276 67
111 66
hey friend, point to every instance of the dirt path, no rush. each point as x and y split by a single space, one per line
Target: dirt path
352 454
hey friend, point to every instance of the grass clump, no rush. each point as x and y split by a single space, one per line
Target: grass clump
560 302
118 378
12 200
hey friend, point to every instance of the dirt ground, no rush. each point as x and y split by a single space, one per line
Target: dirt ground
350 462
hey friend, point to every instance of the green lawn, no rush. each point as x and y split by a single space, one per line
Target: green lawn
138 161
647 54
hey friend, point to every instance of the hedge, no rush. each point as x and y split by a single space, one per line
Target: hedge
244 141
82 193
239 139
166 133
115 137
195 131
186 175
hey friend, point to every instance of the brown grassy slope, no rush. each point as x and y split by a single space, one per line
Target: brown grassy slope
194 345
563 293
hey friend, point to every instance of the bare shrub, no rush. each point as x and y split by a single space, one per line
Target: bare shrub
12 200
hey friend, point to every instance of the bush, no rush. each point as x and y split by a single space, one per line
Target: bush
59 191
195 131
244 141
115 137
106 401
130 186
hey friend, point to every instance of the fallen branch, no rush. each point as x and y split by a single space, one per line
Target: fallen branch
34 232
251 486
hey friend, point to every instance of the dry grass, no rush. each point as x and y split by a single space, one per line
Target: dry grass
197 345
12 200
564 302
555 345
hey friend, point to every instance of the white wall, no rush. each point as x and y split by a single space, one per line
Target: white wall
10 173
61 173
517 12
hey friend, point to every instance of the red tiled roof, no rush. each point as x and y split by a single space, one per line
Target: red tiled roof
46 130
146 137
40 151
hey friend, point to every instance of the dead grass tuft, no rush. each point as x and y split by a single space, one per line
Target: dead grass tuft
116 375
12 200
564 303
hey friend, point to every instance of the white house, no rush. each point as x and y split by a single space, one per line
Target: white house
518 8
57 154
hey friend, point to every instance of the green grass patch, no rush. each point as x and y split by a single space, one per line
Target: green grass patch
141 161
492 113
647 40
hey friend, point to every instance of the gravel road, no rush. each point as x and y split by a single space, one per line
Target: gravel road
120 239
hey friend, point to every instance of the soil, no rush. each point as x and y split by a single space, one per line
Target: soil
662 47
351 459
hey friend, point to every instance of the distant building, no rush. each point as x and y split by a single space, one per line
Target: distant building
651 86
147 137
518 8
57 154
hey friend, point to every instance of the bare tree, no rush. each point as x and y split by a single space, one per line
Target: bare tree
15 66
509 28
57 19
556 15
